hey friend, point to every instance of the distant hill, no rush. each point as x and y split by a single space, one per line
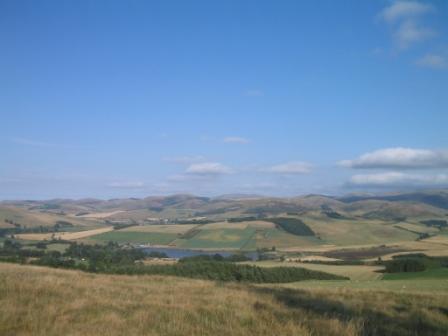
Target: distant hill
432 203
437 198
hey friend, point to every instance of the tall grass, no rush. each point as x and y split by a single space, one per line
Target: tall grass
42 301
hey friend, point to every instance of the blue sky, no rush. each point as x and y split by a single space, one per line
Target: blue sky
135 98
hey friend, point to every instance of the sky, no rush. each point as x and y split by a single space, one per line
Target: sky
134 98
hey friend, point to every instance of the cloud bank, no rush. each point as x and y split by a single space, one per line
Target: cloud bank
290 168
236 140
126 185
208 168
398 179
399 158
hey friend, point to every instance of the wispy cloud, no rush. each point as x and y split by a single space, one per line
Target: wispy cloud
236 140
186 159
126 185
404 10
290 168
208 168
254 93
434 61
403 158
9 180
35 143
398 179
410 32
405 17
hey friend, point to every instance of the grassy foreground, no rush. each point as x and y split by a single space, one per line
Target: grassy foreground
43 301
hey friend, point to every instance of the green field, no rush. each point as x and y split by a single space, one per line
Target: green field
280 239
219 238
57 247
156 238
344 232
431 273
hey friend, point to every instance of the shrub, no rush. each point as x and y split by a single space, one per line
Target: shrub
292 225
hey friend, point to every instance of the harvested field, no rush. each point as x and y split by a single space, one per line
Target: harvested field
100 215
63 235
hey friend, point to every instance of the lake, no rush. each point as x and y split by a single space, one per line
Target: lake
181 253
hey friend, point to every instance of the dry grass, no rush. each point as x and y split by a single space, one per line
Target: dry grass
354 272
42 301
239 225
29 219
317 258
63 235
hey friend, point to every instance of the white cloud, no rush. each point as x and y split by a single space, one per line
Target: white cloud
290 168
254 93
187 159
406 19
208 168
236 140
405 9
126 185
395 179
404 158
409 32
433 61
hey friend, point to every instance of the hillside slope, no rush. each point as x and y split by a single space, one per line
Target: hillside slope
41 301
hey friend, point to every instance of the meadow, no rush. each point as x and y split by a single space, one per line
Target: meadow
65 302
154 238
218 239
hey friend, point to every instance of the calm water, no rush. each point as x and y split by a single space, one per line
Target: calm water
181 253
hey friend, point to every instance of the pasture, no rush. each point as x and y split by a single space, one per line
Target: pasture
218 239
280 239
239 225
153 238
343 232
166 228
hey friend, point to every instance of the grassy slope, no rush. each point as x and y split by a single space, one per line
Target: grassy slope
42 301
357 232
35 218
218 238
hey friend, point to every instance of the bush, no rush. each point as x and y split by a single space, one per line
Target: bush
215 257
292 225
405 265
225 271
